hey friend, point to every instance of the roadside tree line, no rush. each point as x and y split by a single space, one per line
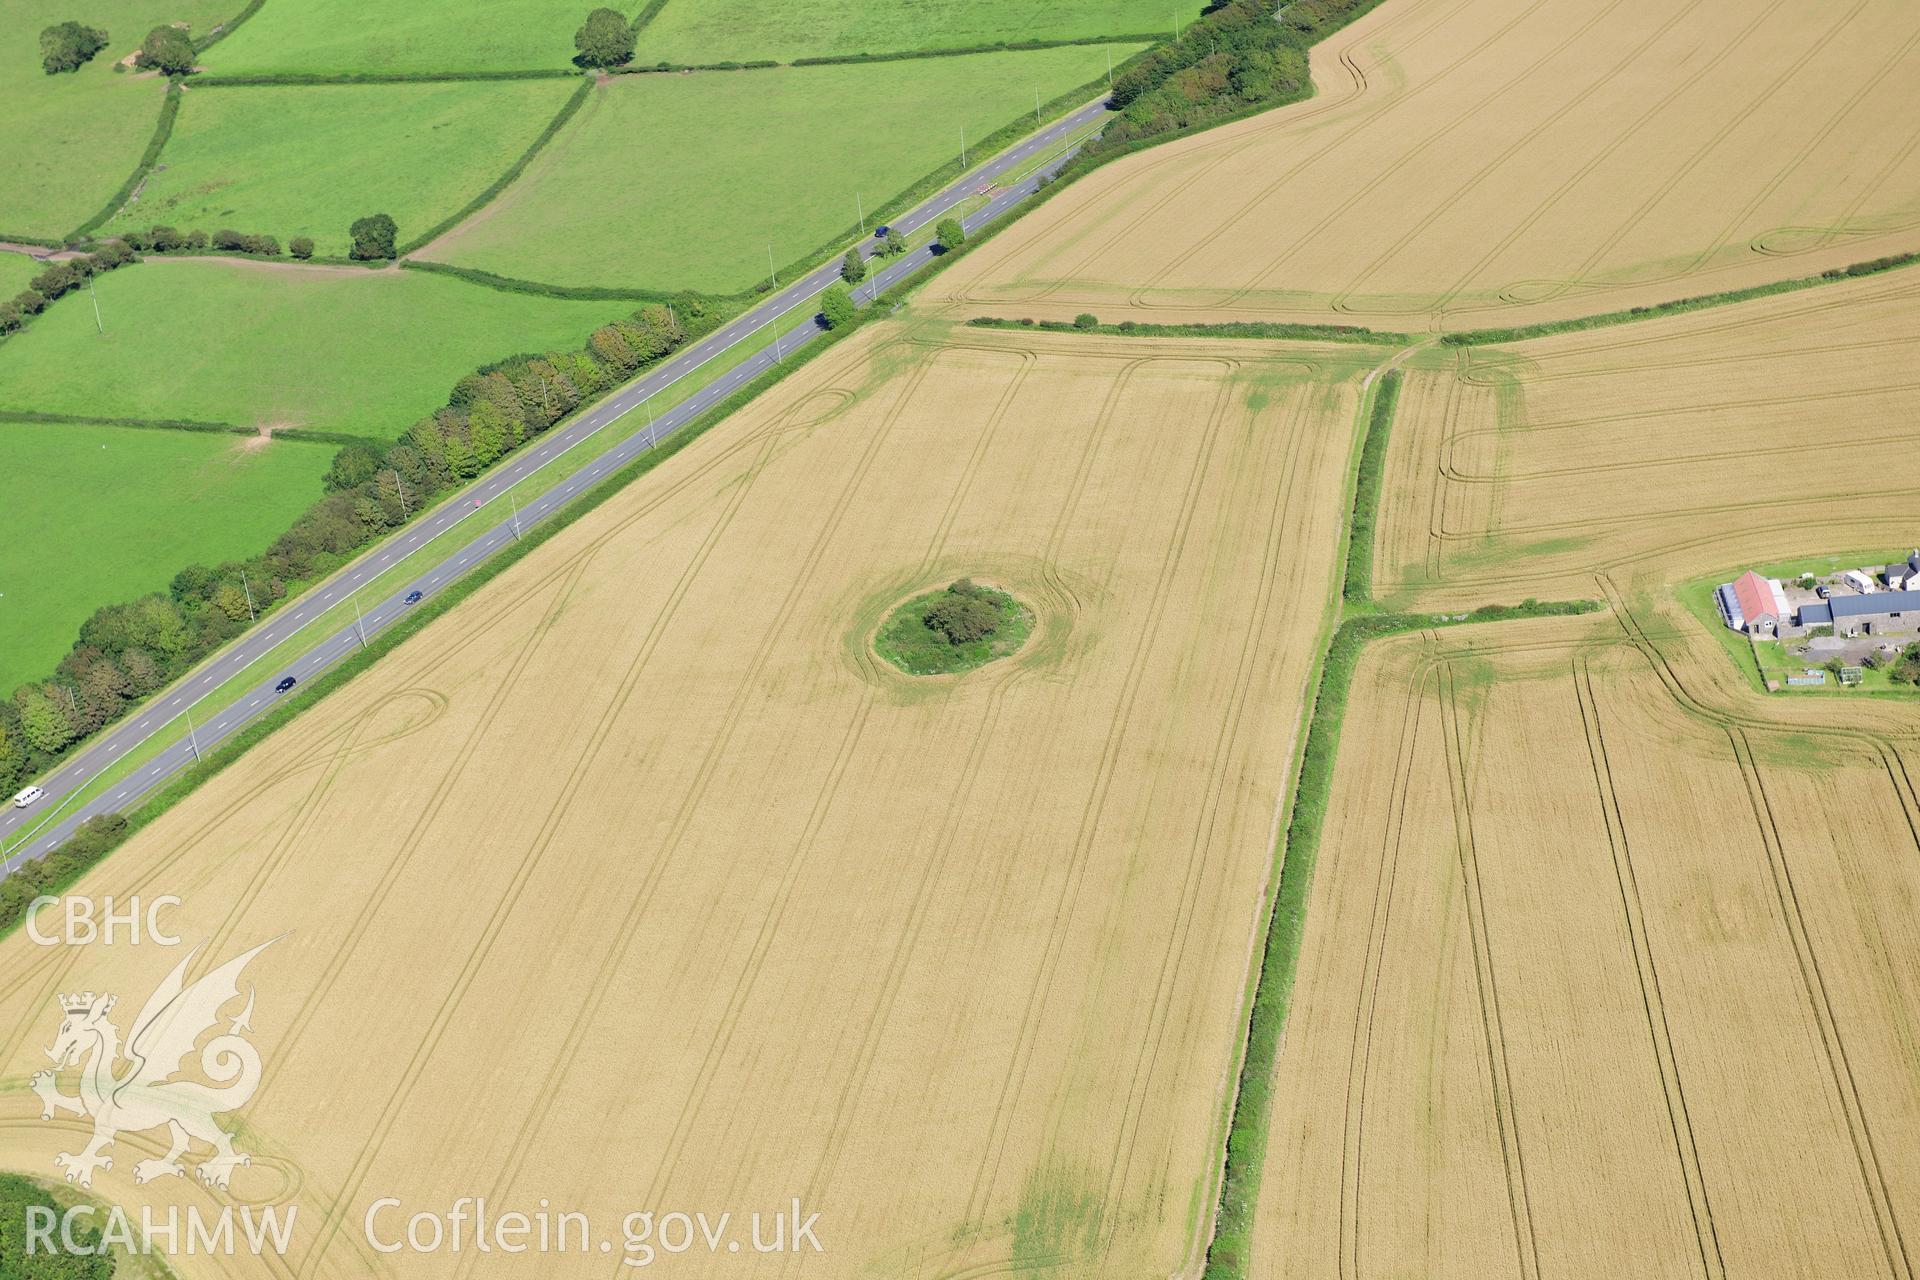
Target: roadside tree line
126 652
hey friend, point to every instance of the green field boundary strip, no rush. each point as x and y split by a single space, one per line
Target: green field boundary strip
1358 586
154 424
646 16
1251 1106
1004 46
270 79
1606 319
505 180
586 292
1259 329
306 434
169 108
227 28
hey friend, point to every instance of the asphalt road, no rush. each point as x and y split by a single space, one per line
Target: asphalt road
479 522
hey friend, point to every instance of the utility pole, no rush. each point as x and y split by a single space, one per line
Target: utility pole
777 357
193 741
248 588
514 503
405 514
651 438
963 148
359 623
861 206
770 274
1109 71
96 306
70 702
1036 105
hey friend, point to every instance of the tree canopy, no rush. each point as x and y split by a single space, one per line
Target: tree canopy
373 238
67 45
167 49
836 307
951 234
604 40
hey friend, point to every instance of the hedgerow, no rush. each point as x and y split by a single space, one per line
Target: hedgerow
473 206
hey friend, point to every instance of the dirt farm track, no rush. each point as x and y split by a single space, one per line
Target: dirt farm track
640 863
1474 163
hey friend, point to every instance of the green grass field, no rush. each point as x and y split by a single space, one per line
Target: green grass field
70 140
684 181
341 349
333 153
707 31
161 500
334 36
16 269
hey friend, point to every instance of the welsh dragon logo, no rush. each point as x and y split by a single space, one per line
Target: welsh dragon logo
144 1096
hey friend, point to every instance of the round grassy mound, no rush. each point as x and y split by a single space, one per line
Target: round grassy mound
957 628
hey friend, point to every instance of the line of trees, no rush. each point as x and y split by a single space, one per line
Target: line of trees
165 239
127 651
58 280
1240 55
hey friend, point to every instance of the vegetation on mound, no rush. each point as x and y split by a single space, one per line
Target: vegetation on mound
958 628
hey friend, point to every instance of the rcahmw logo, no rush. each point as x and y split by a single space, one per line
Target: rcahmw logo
145 1096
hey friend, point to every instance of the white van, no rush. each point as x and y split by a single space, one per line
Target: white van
27 796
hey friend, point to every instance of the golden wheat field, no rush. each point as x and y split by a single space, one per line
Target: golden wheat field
1727 437
1559 1015
639 883
1468 163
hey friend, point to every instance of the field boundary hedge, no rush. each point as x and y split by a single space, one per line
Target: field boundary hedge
163 129
1358 585
1228 1253
567 111
88 420
1259 329
294 79
227 28
671 68
646 16
511 284
1004 46
183 424
1678 306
